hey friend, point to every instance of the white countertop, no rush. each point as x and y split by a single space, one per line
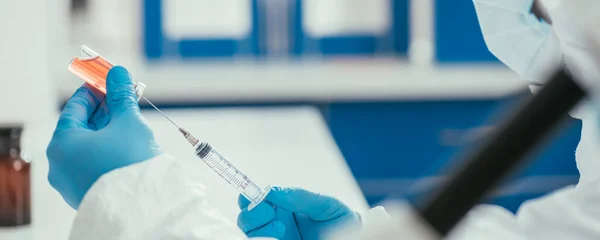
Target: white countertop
279 146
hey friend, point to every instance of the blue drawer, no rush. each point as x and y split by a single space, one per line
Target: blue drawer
391 146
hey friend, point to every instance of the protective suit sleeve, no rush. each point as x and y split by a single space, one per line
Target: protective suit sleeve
569 213
515 36
156 199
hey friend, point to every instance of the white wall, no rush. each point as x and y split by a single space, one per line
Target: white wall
25 90
28 95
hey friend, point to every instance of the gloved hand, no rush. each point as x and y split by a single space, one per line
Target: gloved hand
293 213
92 139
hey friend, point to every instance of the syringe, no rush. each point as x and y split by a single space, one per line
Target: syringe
93 68
218 163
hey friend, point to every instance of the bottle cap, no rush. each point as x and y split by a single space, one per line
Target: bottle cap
10 139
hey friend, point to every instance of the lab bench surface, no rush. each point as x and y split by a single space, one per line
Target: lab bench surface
278 146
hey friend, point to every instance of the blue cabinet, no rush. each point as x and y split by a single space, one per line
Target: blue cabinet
273 25
458 36
392 147
395 40
158 44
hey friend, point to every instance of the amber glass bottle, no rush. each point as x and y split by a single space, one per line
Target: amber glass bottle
15 201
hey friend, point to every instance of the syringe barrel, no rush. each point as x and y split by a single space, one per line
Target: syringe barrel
218 163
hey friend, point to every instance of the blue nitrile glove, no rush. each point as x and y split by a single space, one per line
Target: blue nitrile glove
294 213
92 139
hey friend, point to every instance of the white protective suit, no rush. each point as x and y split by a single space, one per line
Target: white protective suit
161 199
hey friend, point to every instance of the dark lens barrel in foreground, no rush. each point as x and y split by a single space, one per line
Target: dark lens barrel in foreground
503 152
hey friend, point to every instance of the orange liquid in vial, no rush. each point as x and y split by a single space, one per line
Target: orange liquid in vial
92 70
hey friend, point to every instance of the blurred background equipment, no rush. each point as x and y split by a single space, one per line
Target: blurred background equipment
502 153
379 94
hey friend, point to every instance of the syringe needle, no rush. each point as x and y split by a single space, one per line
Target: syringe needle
161 112
188 136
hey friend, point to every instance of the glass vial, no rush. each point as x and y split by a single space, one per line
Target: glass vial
93 68
15 201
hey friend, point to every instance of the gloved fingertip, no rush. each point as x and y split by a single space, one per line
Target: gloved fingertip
97 94
118 74
261 215
276 193
288 197
316 206
120 93
82 92
78 109
277 188
243 202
